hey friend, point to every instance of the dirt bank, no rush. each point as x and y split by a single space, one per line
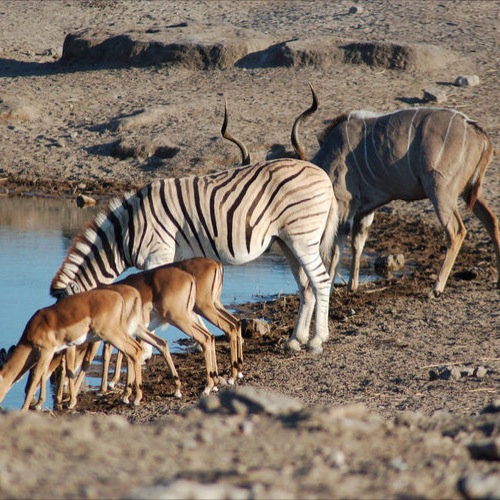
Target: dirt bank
400 404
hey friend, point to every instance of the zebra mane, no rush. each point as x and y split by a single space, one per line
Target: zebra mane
83 241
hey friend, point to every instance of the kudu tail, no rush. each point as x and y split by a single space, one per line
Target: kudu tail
474 186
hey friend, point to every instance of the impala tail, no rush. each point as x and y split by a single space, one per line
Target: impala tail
22 358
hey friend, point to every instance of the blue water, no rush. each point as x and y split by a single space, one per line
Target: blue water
35 235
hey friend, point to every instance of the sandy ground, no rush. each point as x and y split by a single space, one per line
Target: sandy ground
402 401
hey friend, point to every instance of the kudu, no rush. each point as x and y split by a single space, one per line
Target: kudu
97 314
409 154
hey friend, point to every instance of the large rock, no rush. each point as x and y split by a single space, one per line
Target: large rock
204 46
324 51
418 57
196 46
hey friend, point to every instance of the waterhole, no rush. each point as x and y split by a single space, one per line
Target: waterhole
35 234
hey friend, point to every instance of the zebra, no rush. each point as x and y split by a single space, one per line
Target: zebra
408 154
232 216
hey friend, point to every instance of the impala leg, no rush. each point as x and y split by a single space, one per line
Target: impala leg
190 327
162 346
107 349
62 380
132 351
118 370
483 212
39 369
359 234
231 326
70 371
455 234
56 361
42 397
215 312
88 357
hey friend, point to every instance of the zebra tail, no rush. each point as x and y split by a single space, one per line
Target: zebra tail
328 238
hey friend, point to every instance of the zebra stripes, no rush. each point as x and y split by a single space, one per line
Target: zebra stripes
232 216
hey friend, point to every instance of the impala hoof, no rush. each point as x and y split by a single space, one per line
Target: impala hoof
240 375
178 394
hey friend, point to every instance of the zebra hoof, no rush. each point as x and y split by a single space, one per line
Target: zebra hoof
314 348
293 345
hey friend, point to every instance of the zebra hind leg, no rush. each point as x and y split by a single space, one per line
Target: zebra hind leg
300 334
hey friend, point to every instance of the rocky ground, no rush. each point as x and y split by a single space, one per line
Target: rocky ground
404 401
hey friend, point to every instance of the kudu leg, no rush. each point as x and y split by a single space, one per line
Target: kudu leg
338 249
455 234
483 212
359 234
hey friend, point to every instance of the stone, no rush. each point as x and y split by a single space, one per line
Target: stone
493 407
183 489
480 371
467 81
247 400
481 486
84 201
388 263
486 449
435 95
252 328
